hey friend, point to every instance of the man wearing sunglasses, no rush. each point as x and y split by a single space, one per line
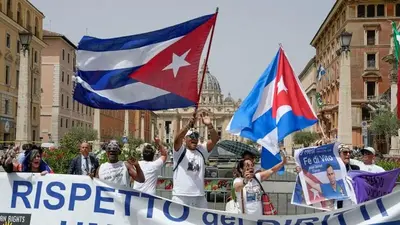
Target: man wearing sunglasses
119 172
189 163
368 161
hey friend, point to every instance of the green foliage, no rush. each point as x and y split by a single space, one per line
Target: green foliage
129 150
385 123
75 136
60 158
305 138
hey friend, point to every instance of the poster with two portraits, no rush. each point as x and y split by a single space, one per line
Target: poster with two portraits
322 179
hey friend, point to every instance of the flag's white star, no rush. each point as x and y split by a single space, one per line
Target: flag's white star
281 85
178 62
315 193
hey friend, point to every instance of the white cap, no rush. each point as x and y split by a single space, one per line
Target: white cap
188 133
369 149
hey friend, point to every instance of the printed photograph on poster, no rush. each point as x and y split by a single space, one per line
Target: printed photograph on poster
299 200
322 173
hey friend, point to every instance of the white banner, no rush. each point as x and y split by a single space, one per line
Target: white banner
31 199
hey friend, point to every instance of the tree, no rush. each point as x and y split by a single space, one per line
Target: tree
59 159
305 138
385 123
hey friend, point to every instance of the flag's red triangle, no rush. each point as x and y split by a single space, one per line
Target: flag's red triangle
289 92
183 83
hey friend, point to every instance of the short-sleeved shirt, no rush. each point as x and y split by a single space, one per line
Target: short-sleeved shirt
116 173
150 171
189 176
330 193
252 194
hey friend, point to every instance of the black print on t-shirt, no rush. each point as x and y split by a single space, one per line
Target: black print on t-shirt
193 166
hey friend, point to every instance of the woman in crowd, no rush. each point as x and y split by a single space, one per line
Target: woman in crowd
32 162
248 187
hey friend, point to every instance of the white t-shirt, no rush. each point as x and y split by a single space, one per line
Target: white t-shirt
252 194
368 168
189 176
116 173
150 171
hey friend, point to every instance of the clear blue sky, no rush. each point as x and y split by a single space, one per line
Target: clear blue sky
246 37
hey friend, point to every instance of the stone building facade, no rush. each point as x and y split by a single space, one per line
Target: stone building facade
15 17
367 20
212 101
59 112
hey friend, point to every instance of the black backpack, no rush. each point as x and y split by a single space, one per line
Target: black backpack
183 155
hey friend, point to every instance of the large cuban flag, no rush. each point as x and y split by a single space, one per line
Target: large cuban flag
276 107
149 71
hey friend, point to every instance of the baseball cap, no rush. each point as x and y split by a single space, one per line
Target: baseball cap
343 147
368 149
112 145
192 134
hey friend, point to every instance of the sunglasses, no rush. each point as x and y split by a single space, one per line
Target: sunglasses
346 152
194 135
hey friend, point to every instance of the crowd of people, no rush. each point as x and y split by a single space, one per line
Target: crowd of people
189 161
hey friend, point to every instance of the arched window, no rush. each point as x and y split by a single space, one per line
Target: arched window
28 21
19 14
36 27
9 8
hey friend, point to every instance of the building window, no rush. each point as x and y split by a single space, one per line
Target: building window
19 14
61 122
62 100
8 40
62 76
398 10
371 37
361 11
380 10
371 90
18 46
73 105
8 75
17 77
63 54
34 113
67 102
67 78
6 106
68 57
73 123
33 135
34 85
36 57
66 123
16 108
371 61
370 11
9 8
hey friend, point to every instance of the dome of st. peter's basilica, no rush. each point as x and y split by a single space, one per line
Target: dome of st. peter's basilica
212 101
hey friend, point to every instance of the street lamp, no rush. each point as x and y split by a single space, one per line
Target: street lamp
25 39
345 39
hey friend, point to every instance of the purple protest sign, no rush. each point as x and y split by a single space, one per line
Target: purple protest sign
368 186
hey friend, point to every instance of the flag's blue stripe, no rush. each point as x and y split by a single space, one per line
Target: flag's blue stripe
94 44
168 101
287 124
109 79
268 160
244 115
